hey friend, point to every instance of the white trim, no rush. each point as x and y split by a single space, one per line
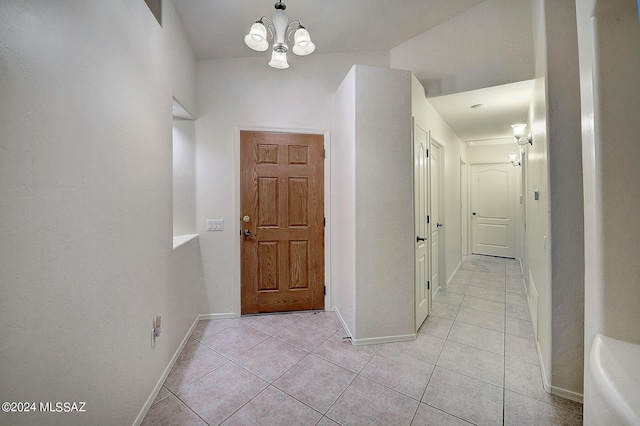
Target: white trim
383 339
554 390
219 316
344 324
165 374
454 273
327 204
567 394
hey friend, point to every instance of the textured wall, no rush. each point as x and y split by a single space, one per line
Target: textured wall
86 256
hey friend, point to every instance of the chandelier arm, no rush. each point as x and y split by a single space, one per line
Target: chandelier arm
269 25
290 28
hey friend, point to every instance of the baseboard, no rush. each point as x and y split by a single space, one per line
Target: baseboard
383 339
454 273
344 324
567 394
554 390
218 316
165 374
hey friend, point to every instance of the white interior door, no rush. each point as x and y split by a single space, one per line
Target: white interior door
493 209
435 153
421 188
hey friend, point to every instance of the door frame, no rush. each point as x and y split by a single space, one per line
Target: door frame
237 213
435 140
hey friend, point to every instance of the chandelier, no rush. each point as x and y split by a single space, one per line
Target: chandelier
280 29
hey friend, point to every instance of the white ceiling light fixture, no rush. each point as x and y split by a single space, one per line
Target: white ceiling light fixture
280 29
518 134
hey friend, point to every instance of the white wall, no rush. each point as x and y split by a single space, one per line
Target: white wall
343 206
609 37
246 93
86 257
184 177
554 222
460 55
384 227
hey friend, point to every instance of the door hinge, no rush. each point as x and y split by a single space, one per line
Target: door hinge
428 285
428 219
324 153
324 221
325 290
427 153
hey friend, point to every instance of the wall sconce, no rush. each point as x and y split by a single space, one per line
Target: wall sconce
518 134
514 162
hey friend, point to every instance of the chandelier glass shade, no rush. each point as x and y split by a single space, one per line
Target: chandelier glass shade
280 30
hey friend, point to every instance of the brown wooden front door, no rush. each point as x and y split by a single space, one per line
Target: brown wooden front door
282 223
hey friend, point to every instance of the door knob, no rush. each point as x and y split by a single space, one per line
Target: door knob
439 225
247 233
418 239
474 213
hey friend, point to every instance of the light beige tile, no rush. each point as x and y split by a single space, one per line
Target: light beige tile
515 298
436 326
455 287
472 400
462 276
222 392
515 286
519 328
305 335
481 319
194 362
523 411
326 421
486 293
425 348
401 373
325 318
444 310
340 351
473 362
235 340
368 403
315 382
526 379
270 358
484 305
162 394
478 337
209 327
429 416
521 349
171 412
468 265
270 324
274 407
518 311
497 285
449 297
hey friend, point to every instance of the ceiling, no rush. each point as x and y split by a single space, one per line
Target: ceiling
216 30
505 105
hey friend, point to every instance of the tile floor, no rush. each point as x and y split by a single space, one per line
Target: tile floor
474 362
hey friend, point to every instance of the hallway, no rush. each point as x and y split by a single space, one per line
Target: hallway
474 362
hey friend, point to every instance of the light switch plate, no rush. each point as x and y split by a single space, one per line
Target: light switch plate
215 224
